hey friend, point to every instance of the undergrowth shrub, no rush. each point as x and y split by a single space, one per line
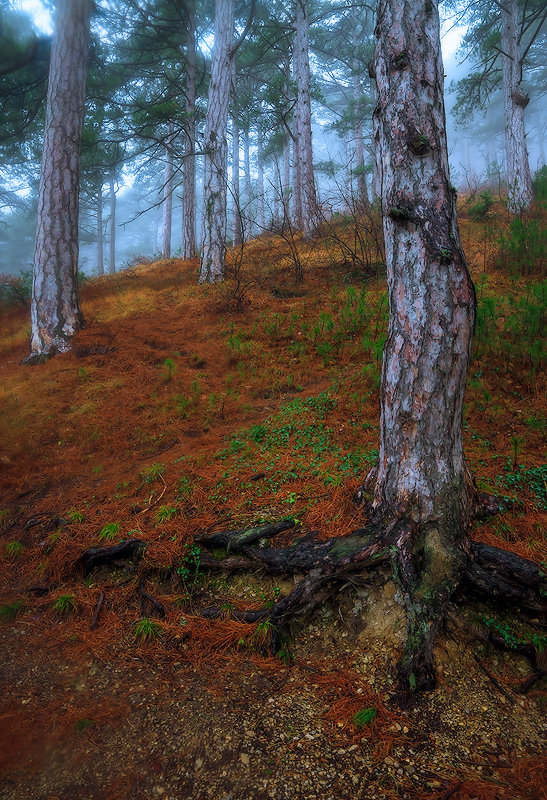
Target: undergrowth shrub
16 290
512 327
523 248
539 185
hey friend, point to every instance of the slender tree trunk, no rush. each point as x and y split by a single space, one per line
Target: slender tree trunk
286 176
100 249
214 184
237 232
297 211
515 100
55 308
421 478
260 182
303 116
358 138
236 213
249 211
189 167
167 196
112 262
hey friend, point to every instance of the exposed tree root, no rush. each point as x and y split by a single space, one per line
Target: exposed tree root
158 608
100 556
426 590
98 609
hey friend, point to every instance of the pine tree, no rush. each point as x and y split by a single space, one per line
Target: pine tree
56 313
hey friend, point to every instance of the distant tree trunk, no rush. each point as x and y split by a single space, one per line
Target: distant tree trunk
112 263
359 142
286 175
303 116
167 196
260 182
100 250
421 483
189 167
249 211
297 212
214 183
236 214
237 233
515 100
55 308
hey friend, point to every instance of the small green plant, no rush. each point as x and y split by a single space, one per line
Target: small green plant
14 550
82 725
263 634
169 368
3 515
165 513
147 629
510 638
479 210
152 473
189 566
109 531
365 717
65 604
184 488
8 611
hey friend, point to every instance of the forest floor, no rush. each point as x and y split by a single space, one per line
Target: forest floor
184 410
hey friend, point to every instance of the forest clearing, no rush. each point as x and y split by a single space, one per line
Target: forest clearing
183 410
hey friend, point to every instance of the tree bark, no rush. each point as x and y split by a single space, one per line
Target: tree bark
213 252
167 195
303 121
55 308
515 100
112 262
100 249
421 475
189 167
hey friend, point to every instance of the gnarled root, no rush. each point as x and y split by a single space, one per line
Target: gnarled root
428 566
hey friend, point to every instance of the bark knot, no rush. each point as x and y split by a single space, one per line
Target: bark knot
400 61
520 98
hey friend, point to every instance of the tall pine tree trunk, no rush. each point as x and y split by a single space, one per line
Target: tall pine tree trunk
167 195
249 210
286 176
421 483
214 179
112 262
100 249
260 182
303 121
297 211
55 307
515 100
189 167
236 204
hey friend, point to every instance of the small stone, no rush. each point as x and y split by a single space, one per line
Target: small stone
245 759
199 763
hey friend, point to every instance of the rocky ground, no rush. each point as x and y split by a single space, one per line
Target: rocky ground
143 723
